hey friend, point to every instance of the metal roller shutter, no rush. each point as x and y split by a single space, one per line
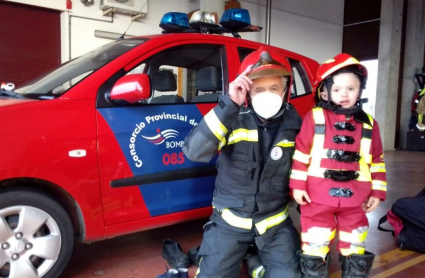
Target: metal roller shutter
29 42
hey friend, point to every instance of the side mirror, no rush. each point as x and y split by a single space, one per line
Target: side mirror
132 88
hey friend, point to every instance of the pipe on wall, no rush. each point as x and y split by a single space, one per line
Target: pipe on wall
268 20
69 28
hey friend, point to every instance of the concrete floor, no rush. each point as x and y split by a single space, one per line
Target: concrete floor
139 255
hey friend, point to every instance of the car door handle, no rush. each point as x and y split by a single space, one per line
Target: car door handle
77 153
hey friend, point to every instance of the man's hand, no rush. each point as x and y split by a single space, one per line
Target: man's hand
371 204
239 87
301 196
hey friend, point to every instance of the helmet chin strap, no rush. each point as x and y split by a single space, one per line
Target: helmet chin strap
349 111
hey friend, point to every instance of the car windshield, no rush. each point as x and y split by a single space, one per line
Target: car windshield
58 81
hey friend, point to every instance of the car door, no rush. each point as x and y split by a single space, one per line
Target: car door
143 170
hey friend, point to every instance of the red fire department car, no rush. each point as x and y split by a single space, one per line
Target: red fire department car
92 150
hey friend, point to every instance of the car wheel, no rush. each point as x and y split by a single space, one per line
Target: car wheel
36 235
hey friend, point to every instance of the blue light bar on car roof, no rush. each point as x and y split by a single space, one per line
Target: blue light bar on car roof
174 22
235 19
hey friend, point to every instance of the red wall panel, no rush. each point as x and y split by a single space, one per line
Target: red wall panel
29 42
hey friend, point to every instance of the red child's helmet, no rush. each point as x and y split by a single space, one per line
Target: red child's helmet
331 66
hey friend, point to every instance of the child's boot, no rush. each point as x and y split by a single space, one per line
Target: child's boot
315 266
356 266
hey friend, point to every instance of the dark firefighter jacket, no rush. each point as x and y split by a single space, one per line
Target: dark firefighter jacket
251 191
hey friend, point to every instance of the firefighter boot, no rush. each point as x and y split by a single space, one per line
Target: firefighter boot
315 266
255 267
356 266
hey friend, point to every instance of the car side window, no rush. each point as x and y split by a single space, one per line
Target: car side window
243 52
186 73
301 86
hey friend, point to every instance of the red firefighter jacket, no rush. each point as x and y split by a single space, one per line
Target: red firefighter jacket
311 159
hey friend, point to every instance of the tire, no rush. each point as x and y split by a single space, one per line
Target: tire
36 234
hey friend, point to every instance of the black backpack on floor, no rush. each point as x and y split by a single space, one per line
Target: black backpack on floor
407 216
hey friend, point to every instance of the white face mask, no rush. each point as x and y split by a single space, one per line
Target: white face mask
266 104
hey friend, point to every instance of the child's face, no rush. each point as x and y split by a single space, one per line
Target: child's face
345 90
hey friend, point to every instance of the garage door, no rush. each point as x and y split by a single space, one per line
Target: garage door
29 42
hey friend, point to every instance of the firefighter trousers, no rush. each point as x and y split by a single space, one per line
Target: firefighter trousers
223 249
319 224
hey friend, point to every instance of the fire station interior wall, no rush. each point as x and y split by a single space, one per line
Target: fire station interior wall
310 28
295 31
303 26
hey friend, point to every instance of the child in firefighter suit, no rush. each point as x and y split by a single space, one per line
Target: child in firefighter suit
254 129
338 172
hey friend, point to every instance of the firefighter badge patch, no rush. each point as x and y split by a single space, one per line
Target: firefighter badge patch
276 153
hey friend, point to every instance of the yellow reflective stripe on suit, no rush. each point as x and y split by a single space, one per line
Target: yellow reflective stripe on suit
246 223
222 143
318 116
272 221
258 272
214 124
377 168
318 234
318 140
285 144
353 237
301 157
365 157
321 251
242 134
238 135
236 221
379 185
298 175
352 250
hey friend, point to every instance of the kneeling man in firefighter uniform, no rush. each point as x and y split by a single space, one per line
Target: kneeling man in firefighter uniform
338 173
254 129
